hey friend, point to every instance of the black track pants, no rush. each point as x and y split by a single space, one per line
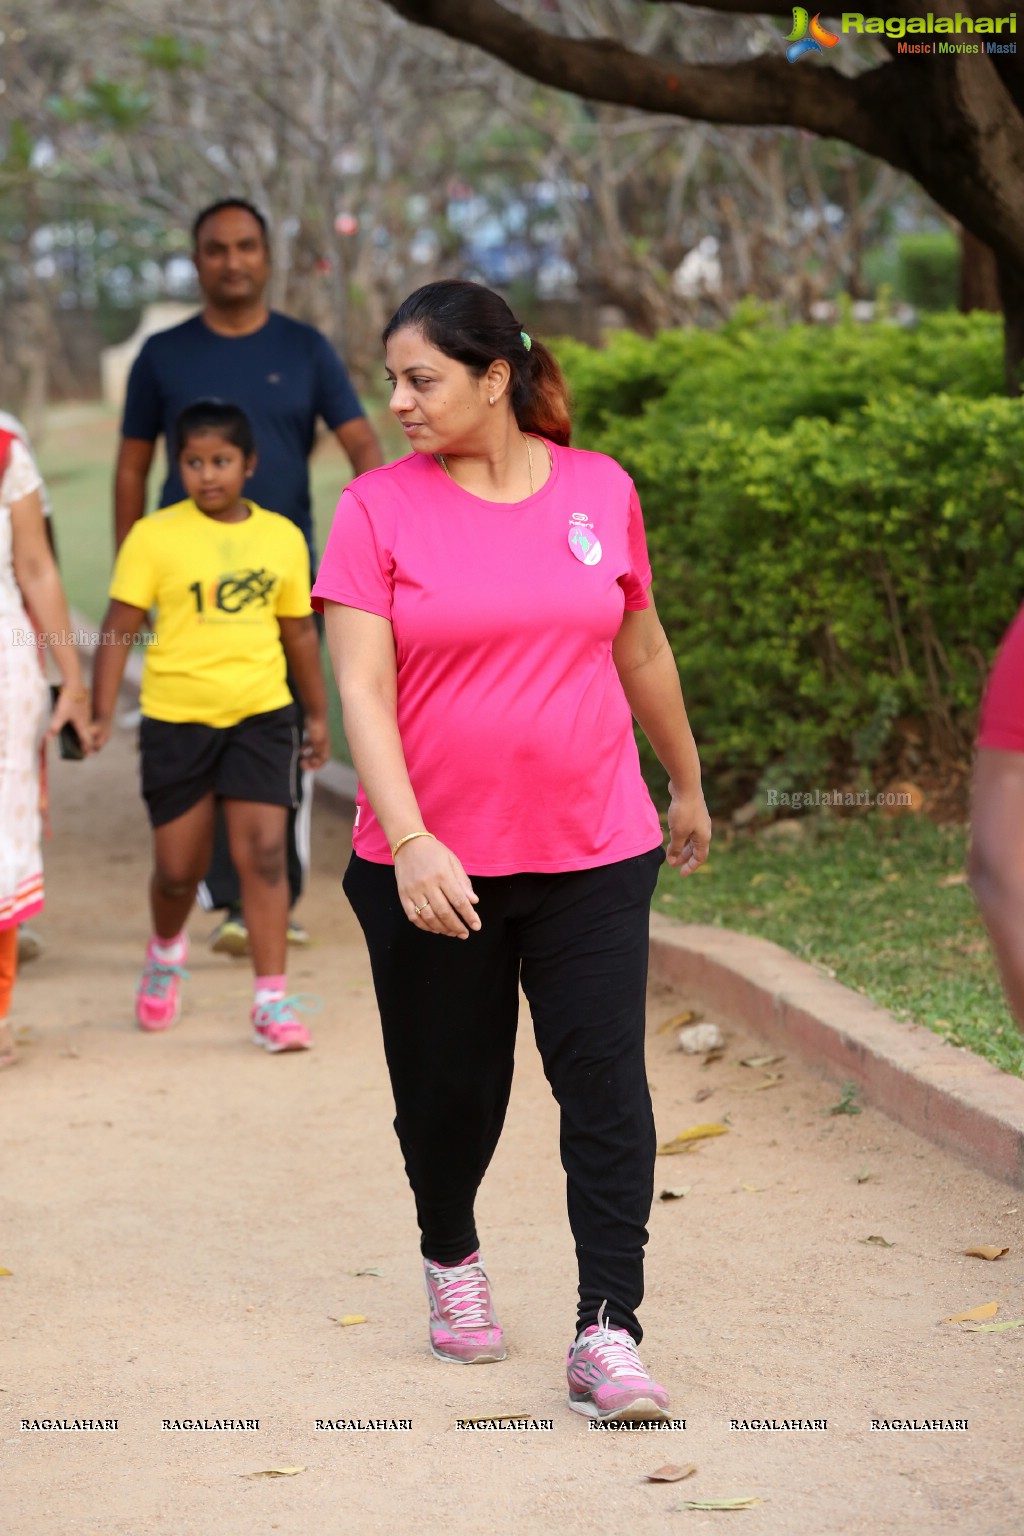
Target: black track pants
578 943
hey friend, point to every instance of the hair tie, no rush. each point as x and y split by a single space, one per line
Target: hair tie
525 338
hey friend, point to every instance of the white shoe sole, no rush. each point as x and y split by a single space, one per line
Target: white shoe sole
476 1360
643 1410
275 1050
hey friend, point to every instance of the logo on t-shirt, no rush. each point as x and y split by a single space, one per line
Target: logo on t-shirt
237 590
583 541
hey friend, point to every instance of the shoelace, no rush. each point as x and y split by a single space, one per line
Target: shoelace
283 1010
157 977
616 1355
463 1291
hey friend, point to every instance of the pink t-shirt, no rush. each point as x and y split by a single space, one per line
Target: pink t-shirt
516 731
1001 725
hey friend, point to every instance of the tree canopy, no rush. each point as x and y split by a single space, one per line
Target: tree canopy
954 121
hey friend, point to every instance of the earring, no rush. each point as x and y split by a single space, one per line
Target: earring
490 399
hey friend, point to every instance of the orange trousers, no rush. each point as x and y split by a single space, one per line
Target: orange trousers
8 967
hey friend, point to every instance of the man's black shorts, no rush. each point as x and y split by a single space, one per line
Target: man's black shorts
257 760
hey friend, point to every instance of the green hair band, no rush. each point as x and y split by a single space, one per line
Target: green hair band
527 343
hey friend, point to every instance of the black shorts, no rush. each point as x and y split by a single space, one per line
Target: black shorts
256 760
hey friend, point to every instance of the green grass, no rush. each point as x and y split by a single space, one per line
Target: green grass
863 898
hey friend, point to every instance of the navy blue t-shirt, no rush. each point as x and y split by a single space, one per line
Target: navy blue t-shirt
283 376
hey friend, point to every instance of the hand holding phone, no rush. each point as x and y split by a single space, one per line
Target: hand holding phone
69 743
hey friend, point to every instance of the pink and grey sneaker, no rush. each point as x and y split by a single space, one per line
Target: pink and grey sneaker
158 994
607 1379
277 1027
463 1326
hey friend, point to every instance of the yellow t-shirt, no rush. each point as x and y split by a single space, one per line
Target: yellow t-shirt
218 589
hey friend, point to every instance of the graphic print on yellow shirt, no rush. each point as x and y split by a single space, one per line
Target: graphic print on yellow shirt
218 590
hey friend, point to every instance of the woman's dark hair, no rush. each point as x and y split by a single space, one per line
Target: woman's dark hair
220 416
230 202
474 325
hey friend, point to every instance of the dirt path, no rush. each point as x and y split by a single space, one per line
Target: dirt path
184 1216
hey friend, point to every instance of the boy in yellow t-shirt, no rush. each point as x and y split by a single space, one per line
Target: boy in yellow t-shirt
230 585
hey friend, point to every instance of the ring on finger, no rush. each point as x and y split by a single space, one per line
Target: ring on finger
421 908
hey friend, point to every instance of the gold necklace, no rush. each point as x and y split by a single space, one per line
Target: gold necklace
529 455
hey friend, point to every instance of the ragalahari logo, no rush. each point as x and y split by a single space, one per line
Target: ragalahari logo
808 35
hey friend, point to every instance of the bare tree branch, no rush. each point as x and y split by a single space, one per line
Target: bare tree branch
764 91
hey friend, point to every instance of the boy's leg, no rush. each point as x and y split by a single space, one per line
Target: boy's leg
256 837
181 851
179 766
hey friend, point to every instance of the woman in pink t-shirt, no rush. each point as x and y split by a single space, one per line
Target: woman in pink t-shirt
489 616
997 813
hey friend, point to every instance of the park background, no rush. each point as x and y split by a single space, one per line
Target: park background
796 323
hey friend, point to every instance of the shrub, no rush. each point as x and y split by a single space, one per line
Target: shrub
929 269
835 547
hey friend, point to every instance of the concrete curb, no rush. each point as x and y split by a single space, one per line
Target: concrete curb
940 1091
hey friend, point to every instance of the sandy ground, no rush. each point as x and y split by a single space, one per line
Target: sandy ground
184 1216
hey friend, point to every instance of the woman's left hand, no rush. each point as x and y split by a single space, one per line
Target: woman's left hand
74 705
690 831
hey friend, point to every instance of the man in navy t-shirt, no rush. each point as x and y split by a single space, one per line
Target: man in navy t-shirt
285 375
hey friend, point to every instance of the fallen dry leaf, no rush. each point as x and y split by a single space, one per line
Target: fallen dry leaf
276 1472
985 1251
685 1139
358 1272
702 1094
678 1020
996 1327
975 1315
754 1189
5 1271
675 1194
879 1242
350 1319
863 1176
671 1474
760 1061
948 880
717 1504
770 1080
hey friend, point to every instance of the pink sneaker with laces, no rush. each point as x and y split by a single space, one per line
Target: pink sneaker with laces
158 994
277 1027
463 1326
607 1379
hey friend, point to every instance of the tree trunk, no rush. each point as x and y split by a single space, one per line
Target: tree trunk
979 276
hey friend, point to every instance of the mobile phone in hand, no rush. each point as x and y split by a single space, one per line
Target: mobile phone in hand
69 742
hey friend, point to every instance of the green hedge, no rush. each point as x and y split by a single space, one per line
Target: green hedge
836 525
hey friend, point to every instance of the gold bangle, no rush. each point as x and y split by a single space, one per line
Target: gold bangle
81 697
408 839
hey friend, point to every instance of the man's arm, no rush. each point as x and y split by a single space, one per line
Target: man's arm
997 862
133 461
361 443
